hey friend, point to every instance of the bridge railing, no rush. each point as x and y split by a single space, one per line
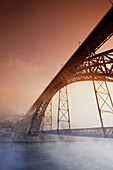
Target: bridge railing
105 132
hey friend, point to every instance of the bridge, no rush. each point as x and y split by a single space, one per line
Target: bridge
84 65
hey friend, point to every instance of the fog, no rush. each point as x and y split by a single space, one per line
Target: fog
81 154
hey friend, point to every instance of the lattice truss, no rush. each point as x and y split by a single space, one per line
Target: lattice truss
63 121
47 118
98 67
38 114
103 98
89 132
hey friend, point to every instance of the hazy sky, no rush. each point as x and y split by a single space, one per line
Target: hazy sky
36 37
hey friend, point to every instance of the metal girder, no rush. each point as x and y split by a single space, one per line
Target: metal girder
80 67
63 120
98 66
103 99
47 118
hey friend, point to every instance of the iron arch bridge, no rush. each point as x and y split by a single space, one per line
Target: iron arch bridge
84 65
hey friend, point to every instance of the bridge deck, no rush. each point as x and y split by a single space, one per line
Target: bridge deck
106 132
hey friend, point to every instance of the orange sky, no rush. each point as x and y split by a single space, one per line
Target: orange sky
36 37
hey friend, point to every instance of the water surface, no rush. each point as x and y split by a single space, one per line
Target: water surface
83 154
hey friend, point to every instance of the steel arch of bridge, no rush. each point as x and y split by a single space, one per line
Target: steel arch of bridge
84 65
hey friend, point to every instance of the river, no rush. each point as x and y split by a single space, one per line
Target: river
81 154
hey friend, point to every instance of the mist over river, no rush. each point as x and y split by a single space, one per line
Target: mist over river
82 154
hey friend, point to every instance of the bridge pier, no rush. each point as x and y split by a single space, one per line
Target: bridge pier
63 119
105 105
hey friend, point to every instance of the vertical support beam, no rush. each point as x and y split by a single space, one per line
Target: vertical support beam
99 110
109 94
47 119
63 119
103 99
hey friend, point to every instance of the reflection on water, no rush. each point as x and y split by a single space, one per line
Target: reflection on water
83 154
